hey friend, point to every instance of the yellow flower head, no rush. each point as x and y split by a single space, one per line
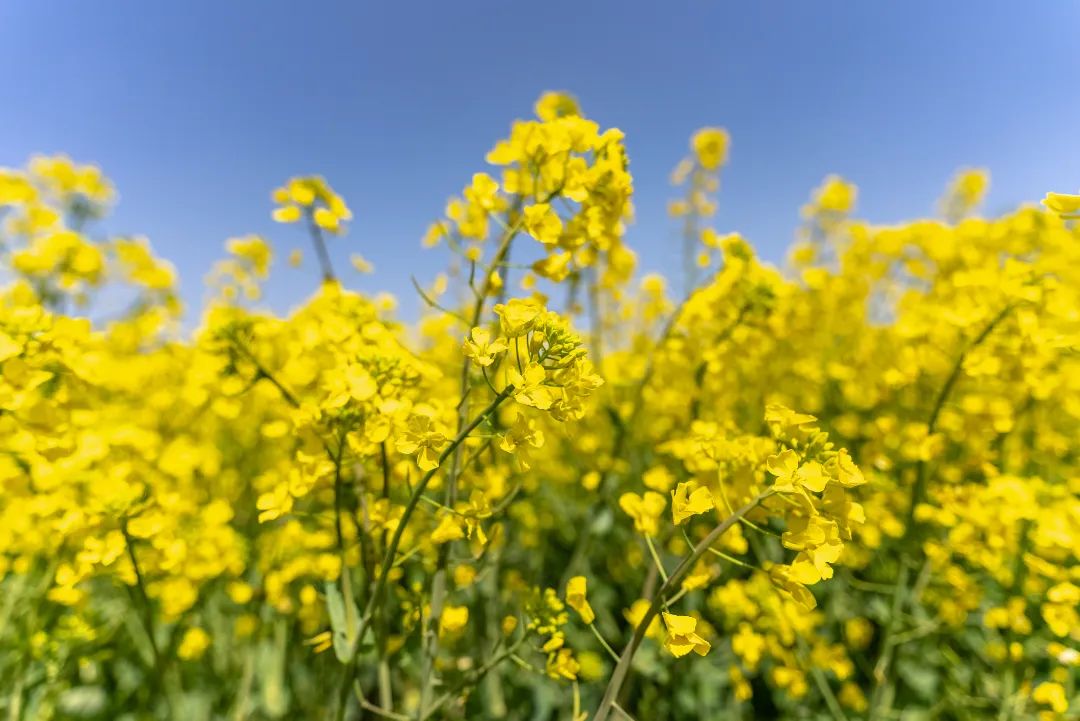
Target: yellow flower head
481 348
710 146
682 637
1062 203
645 510
685 503
194 644
518 315
553 105
453 619
575 598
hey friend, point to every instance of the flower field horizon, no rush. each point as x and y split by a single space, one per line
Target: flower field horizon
844 487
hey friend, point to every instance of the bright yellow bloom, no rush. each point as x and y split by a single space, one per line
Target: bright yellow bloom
543 223
519 438
453 620
287 214
481 348
422 437
1062 203
685 503
710 146
562 664
1052 695
553 105
645 510
575 598
518 316
530 388
450 528
194 644
682 637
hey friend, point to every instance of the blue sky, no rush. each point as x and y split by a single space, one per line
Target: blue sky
197 109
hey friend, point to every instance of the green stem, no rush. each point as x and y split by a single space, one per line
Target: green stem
655 557
320 249
410 507
147 616
603 642
918 492
622 669
481 672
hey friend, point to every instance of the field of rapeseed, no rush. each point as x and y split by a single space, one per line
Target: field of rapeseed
844 489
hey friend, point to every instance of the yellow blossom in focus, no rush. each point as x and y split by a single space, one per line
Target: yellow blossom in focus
682 637
576 599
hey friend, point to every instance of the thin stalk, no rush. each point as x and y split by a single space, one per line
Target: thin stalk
918 491
603 642
430 644
509 653
410 507
883 667
822 683
386 689
656 557
319 242
623 428
622 669
146 613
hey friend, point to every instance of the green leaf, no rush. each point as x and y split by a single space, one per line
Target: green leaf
344 620
274 697
921 677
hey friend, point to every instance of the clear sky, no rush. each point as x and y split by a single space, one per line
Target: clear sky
197 109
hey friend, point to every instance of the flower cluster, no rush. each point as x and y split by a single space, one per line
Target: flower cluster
843 487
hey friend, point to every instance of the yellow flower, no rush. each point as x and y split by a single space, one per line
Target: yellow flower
326 220
360 383
449 529
790 475
859 632
543 223
645 510
519 438
685 503
1051 694
529 387
553 105
1062 203
658 478
783 465
422 437
361 264
287 214
682 637
320 642
783 578
518 315
575 598
481 348
811 476
635 615
844 470
748 646
483 191
194 644
741 687
852 697
710 146
562 664
835 196
453 619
